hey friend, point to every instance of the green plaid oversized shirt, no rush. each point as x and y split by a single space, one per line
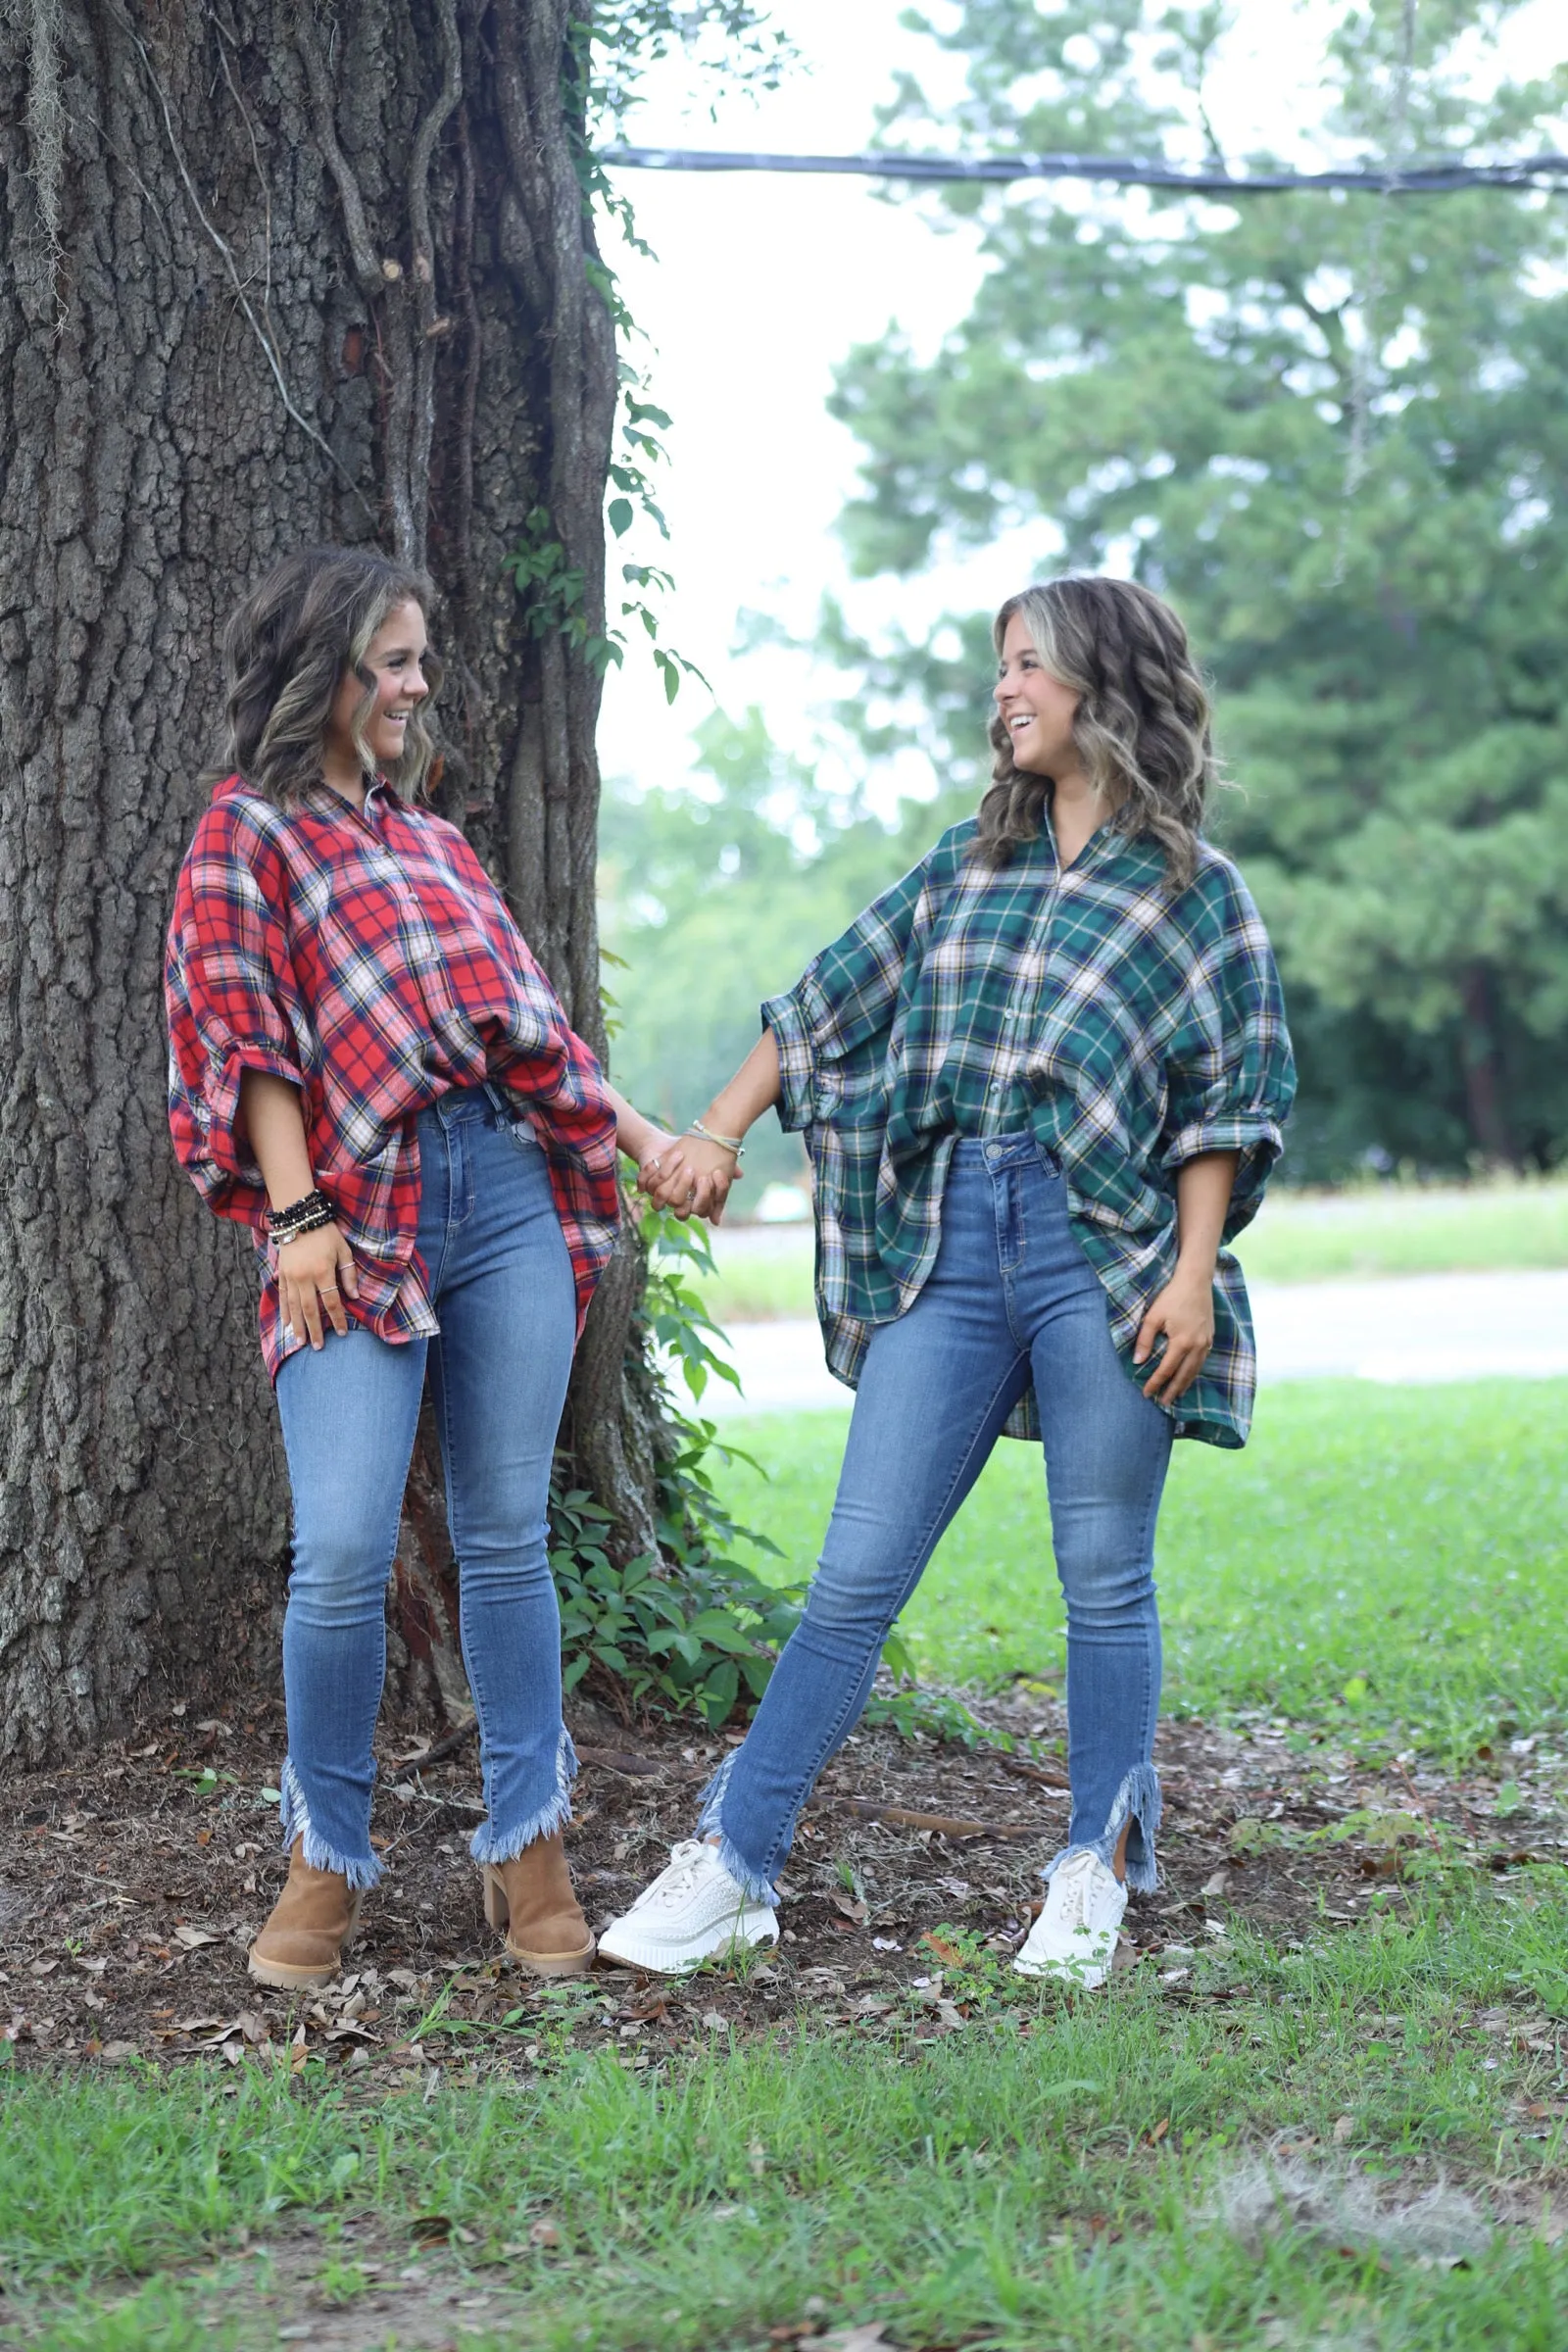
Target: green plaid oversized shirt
1130 1029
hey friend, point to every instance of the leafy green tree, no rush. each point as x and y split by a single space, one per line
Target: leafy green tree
1335 431
716 896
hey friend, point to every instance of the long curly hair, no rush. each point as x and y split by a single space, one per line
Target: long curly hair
1142 727
287 647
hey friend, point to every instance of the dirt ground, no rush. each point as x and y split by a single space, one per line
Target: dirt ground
130 1884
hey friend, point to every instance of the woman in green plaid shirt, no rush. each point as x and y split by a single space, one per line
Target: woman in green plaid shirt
1042 1081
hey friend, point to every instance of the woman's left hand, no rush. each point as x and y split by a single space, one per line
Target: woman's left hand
690 1176
1184 1312
650 1151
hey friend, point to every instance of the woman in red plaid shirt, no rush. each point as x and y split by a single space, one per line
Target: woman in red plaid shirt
369 1070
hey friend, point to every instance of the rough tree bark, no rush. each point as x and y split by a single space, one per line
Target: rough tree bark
272 271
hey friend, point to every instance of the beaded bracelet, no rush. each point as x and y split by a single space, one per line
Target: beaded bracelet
307 1215
725 1142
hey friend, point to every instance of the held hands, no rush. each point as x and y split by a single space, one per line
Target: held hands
315 1273
1184 1312
689 1174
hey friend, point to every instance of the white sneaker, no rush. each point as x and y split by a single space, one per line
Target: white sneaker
692 1911
1074 1938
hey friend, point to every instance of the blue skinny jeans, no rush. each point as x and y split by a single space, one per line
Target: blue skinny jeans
1012 1297
501 1280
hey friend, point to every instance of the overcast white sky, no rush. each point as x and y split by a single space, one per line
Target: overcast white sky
762 284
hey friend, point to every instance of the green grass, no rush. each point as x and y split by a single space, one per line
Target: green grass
1054 2176
1406 1229
1392 1561
1051 2175
1402 1229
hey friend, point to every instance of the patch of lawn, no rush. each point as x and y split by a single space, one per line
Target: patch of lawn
1406 1229
1054 2171
1390 1562
1297 1237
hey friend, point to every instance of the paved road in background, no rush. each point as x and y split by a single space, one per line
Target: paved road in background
1404 1327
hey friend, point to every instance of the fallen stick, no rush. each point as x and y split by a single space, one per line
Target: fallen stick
1032 1772
443 1748
943 1825
611 1759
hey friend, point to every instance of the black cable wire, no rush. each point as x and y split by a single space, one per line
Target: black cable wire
1409 180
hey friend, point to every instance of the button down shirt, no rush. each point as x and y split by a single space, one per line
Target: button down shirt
371 962
1130 1027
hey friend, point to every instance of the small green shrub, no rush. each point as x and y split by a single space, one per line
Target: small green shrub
690 1626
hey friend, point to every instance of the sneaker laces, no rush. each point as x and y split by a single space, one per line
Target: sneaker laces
1074 1878
680 1876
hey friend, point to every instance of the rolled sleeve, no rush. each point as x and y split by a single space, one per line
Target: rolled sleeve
1232 1075
788 1019
231 1003
1258 1141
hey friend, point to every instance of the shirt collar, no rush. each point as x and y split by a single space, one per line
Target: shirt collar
378 797
1101 839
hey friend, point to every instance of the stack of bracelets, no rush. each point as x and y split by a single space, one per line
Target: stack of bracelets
308 1215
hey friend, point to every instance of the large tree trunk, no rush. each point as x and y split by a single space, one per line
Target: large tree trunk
273 272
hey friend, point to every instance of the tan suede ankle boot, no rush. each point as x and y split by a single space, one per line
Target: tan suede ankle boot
314 1918
531 1897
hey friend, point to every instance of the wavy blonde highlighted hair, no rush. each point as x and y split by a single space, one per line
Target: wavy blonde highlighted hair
287 647
1142 727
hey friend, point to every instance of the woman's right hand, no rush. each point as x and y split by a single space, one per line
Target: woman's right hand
315 1273
691 1176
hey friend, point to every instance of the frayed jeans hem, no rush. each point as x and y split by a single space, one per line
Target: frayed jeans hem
710 1825
297 1825
495 1845
1136 1801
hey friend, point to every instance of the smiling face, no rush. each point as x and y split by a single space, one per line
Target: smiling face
395 658
1036 708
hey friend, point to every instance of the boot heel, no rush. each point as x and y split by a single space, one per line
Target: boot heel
497 1909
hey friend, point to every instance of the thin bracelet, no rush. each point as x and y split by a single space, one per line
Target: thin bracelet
725 1142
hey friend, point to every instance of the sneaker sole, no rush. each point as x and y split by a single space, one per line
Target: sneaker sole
748 1934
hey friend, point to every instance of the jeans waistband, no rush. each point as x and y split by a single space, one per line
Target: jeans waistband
995 1152
486 1101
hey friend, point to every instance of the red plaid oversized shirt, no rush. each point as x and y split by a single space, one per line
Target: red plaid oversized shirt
372 963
